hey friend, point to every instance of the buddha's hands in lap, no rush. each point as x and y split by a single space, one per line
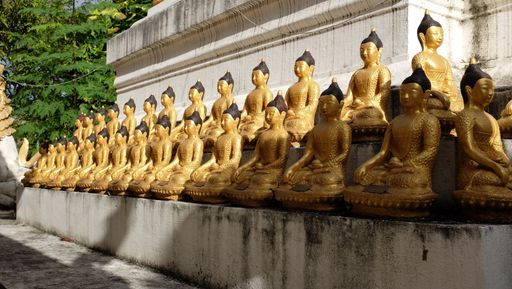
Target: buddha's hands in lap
394 163
360 174
316 164
503 173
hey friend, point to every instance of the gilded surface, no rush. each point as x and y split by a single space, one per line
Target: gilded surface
212 127
118 165
178 133
101 164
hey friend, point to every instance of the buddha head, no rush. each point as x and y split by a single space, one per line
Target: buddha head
225 84
113 111
122 136
129 107
89 119
51 148
43 148
168 97
90 141
415 90
163 126
141 132
193 124
476 86
100 115
150 104
305 65
330 102
276 110
102 137
72 144
260 74
230 118
60 145
79 120
196 92
371 48
430 32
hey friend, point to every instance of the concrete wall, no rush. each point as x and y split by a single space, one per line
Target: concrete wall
227 247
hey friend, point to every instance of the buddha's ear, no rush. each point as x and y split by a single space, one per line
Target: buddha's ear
427 94
421 37
312 69
283 114
266 77
231 86
469 91
201 94
380 55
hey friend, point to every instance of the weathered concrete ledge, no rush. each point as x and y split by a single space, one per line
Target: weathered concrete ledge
228 247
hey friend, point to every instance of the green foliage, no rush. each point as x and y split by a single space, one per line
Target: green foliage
55 55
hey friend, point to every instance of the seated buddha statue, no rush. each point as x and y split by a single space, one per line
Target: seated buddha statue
444 98
113 123
317 180
100 116
60 157
505 121
254 181
150 118
397 181
70 167
160 153
39 166
212 127
302 99
195 95
208 182
88 126
167 100
118 162
484 185
86 165
253 114
129 121
138 159
39 176
79 123
170 180
369 91
101 162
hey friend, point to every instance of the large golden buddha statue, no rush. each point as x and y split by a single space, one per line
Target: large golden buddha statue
113 123
160 153
86 165
212 127
369 91
129 121
167 100
253 114
99 116
170 180
70 167
40 175
317 180
209 181
302 99
40 165
484 173
195 95
101 158
118 162
397 182
138 160
254 181
444 97
150 109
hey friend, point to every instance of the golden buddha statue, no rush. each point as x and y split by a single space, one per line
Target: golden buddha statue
444 98
39 176
167 100
69 168
101 162
129 121
484 185
369 91
150 118
212 127
195 95
254 181
79 124
209 181
113 123
40 165
160 153
397 182
138 159
170 180
86 165
505 121
302 99
253 114
99 116
317 180
59 161
118 162
88 127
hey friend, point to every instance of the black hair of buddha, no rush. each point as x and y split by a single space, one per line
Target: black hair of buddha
334 90
472 74
198 86
227 77
262 67
74 140
61 141
130 103
152 100
45 145
306 57
92 138
196 118
103 112
279 103
104 133
115 108
419 77
91 116
233 111
169 92
123 131
373 38
164 121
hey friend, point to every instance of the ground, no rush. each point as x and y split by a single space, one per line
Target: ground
30 258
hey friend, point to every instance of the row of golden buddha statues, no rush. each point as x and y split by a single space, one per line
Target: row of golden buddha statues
162 159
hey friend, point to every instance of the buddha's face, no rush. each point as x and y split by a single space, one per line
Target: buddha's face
147 106
258 78
70 146
411 95
100 139
272 115
223 87
302 69
328 105
227 122
191 128
161 131
89 144
434 37
369 52
112 114
194 95
78 123
51 148
139 136
100 117
120 139
42 150
128 110
60 147
166 100
88 121
482 92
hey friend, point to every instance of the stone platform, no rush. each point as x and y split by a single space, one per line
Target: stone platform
229 247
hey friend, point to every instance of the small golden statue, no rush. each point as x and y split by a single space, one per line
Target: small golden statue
397 182
368 92
444 98
212 127
150 118
5 109
86 165
170 180
40 165
317 180
168 109
118 163
209 181
138 160
60 159
129 121
99 116
101 162
484 172
255 180
161 153
302 99
40 175
88 127
113 123
195 95
79 124
69 167
505 121
253 114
